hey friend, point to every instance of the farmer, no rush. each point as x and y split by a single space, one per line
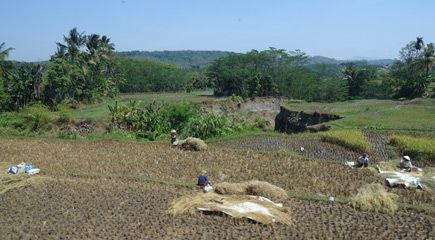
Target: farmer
405 164
203 180
174 136
362 161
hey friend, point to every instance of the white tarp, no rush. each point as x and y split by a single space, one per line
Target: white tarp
401 178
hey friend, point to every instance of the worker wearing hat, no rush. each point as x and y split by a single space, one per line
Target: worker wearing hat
174 136
405 164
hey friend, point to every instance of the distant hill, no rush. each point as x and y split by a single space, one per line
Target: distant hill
185 59
325 60
189 59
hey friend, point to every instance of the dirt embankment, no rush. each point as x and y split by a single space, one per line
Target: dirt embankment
289 121
263 107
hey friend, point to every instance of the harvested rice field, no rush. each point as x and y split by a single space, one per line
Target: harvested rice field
122 190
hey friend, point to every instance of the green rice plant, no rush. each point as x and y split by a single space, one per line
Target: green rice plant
352 139
373 197
422 149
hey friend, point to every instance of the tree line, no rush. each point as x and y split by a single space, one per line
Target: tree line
288 73
85 68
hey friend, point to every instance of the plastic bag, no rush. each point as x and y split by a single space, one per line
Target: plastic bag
13 170
34 171
207 188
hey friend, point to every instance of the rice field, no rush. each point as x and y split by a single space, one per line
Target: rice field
122 190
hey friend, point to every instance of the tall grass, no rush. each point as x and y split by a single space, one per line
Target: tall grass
352 139
419 148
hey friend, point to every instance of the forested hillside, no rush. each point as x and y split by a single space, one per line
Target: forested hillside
186 59
326 60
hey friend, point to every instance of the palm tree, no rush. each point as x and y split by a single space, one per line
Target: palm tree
4 54
419 44
73 44
429 58
93 43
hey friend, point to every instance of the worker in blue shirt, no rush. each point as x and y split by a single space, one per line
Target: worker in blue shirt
203 180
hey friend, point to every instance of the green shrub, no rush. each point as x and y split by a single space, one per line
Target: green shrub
63 135
352 139
236 99
39 116
12 119
373 197
64 110
208 125
177 114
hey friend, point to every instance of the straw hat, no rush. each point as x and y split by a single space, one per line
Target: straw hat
203 172
173 130
407 158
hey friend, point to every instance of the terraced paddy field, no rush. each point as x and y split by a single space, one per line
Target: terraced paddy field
111 189
122 208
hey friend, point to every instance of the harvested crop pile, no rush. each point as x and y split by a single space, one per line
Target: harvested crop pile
256 188
237 206
374 197
192 144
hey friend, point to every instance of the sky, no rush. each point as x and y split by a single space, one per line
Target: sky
340 29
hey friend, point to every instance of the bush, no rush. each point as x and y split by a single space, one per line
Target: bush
64 109
352 139
178 114
208 125
373 197
39 116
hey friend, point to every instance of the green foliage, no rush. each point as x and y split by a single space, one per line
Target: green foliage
352 139
63 135
64 110
205 126
176 115
146 123
148 76
195 60
236 99
38 116
419 148
413 72
12 119
274 72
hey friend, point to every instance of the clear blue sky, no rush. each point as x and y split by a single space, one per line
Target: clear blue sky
339 29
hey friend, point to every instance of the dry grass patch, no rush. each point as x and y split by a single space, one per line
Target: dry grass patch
374 197
257 188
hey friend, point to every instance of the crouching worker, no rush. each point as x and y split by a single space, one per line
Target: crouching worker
405 164
362 161
174 136
203 182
